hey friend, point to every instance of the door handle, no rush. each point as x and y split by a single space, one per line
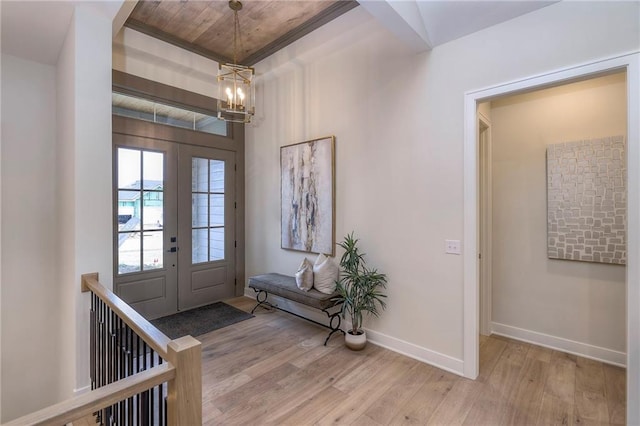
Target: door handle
172 250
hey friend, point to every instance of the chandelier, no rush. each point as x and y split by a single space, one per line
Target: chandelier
236 92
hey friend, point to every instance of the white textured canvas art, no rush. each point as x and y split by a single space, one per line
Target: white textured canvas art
307 196
587 200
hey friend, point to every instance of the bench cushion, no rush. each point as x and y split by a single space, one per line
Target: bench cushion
285 286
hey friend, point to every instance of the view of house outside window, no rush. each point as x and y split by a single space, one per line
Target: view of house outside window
140 210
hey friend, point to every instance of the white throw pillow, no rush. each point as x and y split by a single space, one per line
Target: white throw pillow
325 274
304 276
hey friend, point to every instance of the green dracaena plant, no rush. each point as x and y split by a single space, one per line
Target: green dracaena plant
358 286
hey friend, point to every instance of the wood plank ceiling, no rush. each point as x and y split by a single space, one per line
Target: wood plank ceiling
206 27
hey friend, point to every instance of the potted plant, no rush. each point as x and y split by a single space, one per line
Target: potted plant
358 287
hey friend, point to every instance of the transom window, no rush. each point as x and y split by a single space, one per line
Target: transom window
156 112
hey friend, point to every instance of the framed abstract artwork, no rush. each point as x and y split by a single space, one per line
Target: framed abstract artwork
587 200
307 172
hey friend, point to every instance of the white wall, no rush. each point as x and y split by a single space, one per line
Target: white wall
30 314
398 121
84 143
577 301
138 54
1 138
56 212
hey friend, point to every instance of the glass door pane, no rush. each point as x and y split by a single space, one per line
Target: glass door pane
140 208
207 210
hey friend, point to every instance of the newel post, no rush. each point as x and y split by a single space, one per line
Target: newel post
184 397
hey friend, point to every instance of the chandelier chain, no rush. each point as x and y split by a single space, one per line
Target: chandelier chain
236 30
237 36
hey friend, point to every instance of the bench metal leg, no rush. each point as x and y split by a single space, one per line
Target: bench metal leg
263 301
334 328
334 319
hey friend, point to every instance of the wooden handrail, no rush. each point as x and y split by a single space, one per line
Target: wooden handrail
182 372
88 403
143 328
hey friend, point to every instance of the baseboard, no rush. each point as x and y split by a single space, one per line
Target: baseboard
585 350
80 391
436 359
419 353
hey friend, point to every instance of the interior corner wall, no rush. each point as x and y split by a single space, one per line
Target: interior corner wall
85 181
30 314
580 302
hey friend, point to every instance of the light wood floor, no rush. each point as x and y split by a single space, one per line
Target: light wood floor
273 369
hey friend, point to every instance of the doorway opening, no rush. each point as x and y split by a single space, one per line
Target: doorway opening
628 63
485 221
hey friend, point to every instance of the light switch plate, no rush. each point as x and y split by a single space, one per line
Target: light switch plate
452 246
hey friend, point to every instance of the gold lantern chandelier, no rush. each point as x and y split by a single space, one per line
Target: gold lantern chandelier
236 91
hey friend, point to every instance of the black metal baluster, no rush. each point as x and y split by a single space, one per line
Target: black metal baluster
106 356
152 399
113 354
144 397
95 349
123 363
99 345
92 346
161 406
138 401
108 420
110 357
130 373
120 365
109 354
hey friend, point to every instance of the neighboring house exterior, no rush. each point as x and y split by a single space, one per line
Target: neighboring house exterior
398 118
130 202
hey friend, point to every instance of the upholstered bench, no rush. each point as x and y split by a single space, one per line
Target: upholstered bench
285 287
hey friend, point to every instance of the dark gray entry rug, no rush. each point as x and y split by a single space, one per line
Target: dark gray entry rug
198 321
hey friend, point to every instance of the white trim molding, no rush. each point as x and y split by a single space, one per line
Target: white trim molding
631 63
584 350
436 359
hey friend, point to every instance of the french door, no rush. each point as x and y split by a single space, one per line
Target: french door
174 222
206 200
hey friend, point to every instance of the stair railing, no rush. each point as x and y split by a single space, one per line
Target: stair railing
138 375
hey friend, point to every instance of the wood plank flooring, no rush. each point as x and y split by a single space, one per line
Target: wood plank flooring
273 369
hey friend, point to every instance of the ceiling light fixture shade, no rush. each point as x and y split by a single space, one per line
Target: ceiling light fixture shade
236 90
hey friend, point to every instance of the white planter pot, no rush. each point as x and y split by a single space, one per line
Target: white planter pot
355 342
